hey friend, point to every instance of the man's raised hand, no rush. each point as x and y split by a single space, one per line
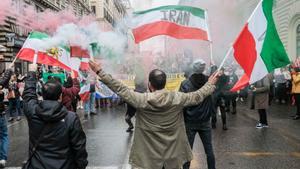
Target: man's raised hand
95 67
213 79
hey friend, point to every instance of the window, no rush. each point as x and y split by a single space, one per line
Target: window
108 17
298 41
94 9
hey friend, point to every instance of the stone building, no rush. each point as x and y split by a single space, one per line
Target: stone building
108 12
287 16
12 35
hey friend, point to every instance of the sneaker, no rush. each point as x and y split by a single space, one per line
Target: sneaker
2 163
93 113
297 117
19 118
129 129
10 119
265 126
259 126
242 100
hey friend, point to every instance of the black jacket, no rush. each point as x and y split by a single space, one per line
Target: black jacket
4 80
202 112
64 143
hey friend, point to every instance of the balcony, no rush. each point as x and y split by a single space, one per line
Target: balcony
50 4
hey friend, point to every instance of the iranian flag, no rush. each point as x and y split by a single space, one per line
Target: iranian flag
84 65
85 92
258 49
33 48
180 22
64 57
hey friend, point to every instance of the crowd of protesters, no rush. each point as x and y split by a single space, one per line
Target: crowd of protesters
49 101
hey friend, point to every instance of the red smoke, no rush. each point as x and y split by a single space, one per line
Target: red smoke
47 21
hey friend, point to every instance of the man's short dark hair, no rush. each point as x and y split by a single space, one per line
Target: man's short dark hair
158 79
51 90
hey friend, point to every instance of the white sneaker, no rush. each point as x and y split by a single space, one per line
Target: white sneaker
2 163
259 126
265 126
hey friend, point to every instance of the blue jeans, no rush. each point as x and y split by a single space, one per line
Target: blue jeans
3 138
14 104
204 130
89 105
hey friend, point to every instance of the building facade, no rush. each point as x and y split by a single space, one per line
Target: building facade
287 19
287 16
108 12
13 36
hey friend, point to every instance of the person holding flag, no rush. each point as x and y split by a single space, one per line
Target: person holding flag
259 51
160 139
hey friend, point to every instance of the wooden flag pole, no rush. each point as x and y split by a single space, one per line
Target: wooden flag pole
225 58
13 62
209 38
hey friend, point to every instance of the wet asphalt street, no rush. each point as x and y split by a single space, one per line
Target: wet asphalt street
241 147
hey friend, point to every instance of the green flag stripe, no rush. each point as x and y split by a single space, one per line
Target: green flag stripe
195 11
38 35
273 52
67 48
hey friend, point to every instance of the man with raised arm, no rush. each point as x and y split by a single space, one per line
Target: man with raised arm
56 137
160 140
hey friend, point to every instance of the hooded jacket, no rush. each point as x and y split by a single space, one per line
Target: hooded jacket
4 80
63 145
195 115
70 93
159 136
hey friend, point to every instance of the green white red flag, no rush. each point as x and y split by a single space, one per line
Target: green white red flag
56 56
180 22
85 92
258 49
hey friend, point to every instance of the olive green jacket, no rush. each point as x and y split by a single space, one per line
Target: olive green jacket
159 137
